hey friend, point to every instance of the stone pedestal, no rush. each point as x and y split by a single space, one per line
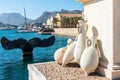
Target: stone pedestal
104 15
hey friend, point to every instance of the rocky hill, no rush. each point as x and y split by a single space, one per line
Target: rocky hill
16 18
13 18
43 18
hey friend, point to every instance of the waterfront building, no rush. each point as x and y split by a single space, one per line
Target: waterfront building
49 22
63 18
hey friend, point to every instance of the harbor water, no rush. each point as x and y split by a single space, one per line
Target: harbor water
12 64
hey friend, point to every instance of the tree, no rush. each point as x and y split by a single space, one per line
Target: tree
55 20
70 22
75 19
65 22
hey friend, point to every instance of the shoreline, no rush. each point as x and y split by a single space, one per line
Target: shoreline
68 32
63 35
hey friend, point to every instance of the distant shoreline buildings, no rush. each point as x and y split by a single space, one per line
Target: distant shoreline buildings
63 21
7 26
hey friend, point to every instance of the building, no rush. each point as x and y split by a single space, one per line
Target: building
61 16
49 23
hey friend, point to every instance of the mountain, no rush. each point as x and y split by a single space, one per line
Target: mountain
2 25
43 18
63 11
13 18
16 18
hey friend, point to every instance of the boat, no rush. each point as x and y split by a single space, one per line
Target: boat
23 31
46 31
24 28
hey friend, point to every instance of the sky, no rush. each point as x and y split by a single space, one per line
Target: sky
35 8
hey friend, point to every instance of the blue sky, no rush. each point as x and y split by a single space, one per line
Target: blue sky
35 8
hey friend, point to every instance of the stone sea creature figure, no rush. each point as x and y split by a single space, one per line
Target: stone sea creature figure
26 46
80 44
59 53
90 57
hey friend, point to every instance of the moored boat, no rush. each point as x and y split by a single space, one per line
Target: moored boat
46 31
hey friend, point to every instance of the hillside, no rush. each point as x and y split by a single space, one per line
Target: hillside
13 18
16 18
43 18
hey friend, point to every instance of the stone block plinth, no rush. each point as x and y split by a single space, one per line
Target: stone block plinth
54 71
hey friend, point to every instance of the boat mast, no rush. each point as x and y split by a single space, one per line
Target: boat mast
25 17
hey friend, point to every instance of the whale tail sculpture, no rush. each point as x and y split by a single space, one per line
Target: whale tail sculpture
36 42
26 46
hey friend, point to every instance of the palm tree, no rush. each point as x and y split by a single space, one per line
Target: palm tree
63 21
66 21
70 22
55 20
76 20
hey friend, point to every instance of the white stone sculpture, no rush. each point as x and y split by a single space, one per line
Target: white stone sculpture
69 54
69 41
90 57
59 53
80 44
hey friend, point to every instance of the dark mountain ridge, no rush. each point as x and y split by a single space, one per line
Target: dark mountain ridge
43 18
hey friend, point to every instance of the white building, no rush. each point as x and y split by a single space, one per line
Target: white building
49 23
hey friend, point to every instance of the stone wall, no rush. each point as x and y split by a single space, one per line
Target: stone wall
66 31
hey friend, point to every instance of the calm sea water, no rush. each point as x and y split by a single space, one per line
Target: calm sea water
12 65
